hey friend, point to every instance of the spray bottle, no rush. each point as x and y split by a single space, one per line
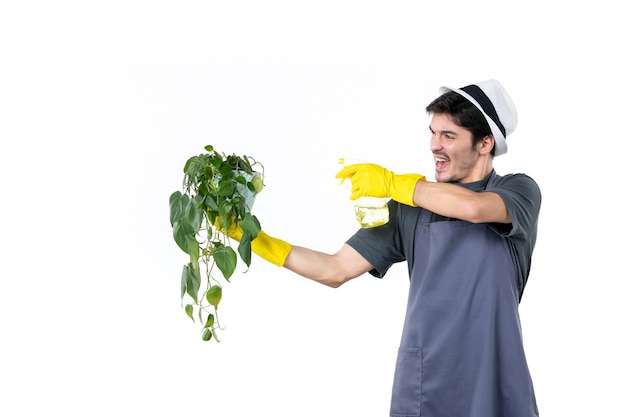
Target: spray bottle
370 211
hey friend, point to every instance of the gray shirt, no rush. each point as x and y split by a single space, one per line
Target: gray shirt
393 242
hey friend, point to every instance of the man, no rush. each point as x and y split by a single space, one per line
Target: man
468 239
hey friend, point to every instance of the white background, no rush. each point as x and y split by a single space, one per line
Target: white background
101 103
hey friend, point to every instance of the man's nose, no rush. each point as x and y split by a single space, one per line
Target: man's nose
435 142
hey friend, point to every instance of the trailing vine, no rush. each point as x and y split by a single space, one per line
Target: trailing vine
217 194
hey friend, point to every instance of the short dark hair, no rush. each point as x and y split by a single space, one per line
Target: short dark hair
464 113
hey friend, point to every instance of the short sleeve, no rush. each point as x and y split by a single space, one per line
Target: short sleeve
522 198
382 245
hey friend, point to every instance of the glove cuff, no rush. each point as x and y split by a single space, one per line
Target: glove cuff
271 249
404 188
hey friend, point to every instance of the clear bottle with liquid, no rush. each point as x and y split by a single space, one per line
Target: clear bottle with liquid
370 211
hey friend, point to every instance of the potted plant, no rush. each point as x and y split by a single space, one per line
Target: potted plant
218 193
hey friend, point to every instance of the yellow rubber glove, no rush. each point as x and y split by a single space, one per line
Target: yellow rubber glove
269 248
375 181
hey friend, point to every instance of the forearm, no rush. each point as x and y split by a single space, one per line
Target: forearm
451 200
332 270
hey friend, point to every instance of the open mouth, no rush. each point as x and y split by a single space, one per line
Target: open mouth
441 162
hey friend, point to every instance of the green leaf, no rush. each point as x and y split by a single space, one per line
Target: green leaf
214 295
239 206
245 248
189 311
178 202
226 171
193 166
251 225
224 223
184 236
241 179
187 163
190 282
193 250
225 259
183 281
187 224
193 214
226 188
211 217
207 334
203 189
256 184
209 321
210 202
215 161
226 210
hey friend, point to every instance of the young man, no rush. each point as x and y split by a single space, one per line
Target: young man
468 239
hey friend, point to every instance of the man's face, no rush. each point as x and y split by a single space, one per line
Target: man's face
451 145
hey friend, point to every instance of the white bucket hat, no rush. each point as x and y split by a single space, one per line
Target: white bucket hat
495 104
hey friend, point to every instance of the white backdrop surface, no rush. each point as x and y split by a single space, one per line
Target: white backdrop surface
102 103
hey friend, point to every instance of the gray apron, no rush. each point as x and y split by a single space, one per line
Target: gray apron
461 353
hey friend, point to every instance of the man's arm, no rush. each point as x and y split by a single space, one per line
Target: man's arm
450 200
332 270
444 199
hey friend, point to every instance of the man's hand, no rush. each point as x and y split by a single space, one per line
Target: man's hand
375 181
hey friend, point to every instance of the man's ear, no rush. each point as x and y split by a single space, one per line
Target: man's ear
486 144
